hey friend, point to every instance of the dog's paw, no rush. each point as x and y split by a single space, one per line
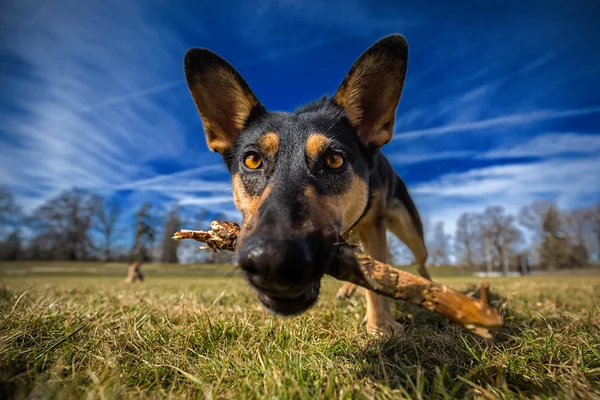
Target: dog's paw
346 291
384 327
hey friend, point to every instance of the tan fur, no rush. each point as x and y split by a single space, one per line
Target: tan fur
372 232
269 144
316 145
346 208
320 217
379 318
401 225
399 222
369 95
244 202
224 106
247 204
349 94
346 291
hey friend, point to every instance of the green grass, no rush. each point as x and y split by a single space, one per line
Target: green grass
207 337
119 269
113 269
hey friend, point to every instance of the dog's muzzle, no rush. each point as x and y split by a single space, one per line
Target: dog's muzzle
285 272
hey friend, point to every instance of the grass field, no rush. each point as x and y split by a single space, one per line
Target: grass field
73 336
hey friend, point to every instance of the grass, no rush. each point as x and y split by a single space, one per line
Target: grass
119 269
207 337
113 269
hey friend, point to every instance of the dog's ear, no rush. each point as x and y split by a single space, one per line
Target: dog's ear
224 100
371 90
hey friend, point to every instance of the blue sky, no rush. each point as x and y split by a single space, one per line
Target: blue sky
501 104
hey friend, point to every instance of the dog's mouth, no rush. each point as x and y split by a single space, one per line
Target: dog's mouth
293 302
286 271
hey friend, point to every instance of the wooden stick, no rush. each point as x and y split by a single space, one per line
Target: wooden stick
134 273
351 265
484 292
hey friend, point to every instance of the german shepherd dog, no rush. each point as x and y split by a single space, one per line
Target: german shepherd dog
303 180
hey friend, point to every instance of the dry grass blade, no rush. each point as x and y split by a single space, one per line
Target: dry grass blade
354 266
62 340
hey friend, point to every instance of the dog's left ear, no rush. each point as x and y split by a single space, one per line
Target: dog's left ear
371 90
224 100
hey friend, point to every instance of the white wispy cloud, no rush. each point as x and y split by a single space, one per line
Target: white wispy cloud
89 115
85 116
503 121
555 176
189 180
569 182
206 201
550 144
540 146
402 158
100 102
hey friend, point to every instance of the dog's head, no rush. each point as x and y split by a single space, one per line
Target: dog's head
300 179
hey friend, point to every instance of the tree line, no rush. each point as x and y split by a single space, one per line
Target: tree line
540 236
79 225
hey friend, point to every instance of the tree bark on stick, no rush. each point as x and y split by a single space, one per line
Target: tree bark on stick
351 265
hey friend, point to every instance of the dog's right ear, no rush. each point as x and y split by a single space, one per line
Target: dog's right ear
224 100
371 90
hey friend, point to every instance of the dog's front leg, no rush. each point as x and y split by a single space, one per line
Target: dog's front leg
379 318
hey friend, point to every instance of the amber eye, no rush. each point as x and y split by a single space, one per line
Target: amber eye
252 161
335 160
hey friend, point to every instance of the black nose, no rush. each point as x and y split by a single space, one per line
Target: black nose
277 264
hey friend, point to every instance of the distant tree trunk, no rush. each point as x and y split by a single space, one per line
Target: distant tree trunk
596 224
134 273
64 224
169 246
107 216
523 264
439 245
464 239
488 254
11 248
505 264
144 235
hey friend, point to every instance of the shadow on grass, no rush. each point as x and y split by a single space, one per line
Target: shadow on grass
437 359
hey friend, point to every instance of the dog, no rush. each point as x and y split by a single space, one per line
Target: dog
302 180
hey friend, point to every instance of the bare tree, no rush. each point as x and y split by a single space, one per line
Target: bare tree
398 252
580 227
63 225
10 211
595 216
144 235
440 247
107 215
12 247
168 245
466 238
10 218
500 237
555 248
